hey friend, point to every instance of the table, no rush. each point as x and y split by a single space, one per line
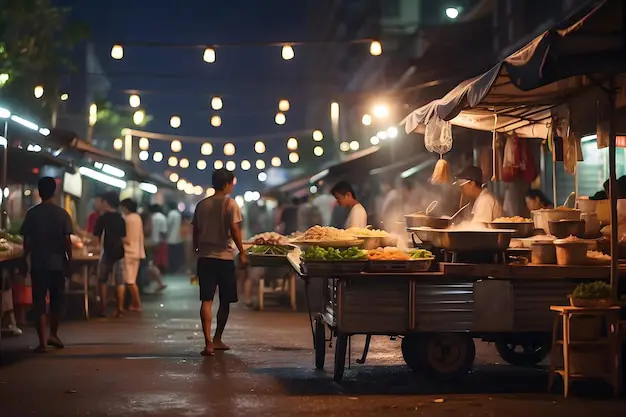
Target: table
84 262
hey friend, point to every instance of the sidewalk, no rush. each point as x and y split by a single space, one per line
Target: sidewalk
150 365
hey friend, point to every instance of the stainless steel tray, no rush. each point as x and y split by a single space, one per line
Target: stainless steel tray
268 261
416 265
496 240
331 268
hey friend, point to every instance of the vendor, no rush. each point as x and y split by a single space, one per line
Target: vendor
486 207
537 200
344 194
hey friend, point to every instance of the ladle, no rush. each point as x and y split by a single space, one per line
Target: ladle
460 210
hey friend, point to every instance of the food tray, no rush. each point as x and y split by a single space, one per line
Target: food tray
304 244
268 261
330 268
415 265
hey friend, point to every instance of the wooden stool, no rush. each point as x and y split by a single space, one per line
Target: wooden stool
565 314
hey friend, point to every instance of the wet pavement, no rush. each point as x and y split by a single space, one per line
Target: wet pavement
149 364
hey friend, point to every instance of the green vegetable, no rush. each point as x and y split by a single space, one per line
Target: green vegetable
593 290
420 254
315 253
269 250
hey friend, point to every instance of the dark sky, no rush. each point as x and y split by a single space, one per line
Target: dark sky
176 81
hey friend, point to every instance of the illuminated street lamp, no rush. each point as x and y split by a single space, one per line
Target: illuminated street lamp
209 55
283 105
216 103
139 117
452 12
117 52
134 100
376 48
287 52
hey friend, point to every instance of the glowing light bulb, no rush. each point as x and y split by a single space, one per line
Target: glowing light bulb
134 100
139 117
93 114
259 147
292 144
209 55
216 103
144 144
175 122
287 52
201 164
144 155
210 192
262 176
245 165
376 49
260 164
174 177
118 144
283 105
172 161
231 165
218 164
366 120
157 157
117 52
344 146
216 121
176 146
206 149
354 145
184 163
229 149
392 132
318 151
374 140
280 118
38 91
381 111
318 135
64 97
276 161
294 157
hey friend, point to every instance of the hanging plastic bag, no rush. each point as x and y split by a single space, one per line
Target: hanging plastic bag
438 136
510 164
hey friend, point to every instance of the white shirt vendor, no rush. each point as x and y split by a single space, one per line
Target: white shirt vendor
357 217
345 196
486 208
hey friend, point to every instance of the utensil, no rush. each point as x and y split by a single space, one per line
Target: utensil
522 229
459 210
431 207
493 240
569 197
422 220
564 228
543 216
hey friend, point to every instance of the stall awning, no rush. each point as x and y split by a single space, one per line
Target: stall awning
25 167
518 93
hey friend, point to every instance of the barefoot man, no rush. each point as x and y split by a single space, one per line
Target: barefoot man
216 231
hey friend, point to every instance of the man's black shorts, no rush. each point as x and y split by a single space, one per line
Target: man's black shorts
214 273
52 282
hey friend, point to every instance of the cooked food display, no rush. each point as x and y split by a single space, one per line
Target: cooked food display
322 233
599 257
269 238
514 219
570 239
395 254
278 250
363 232
331 254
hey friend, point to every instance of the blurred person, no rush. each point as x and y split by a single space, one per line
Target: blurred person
486 207
46 230
216 229
345 196
537 200
93 216
110 230
308 214
158 239
134 250
288 222
325 203
175 251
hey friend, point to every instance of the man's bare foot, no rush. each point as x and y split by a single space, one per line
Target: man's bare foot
208 350
219 345
119 314
41 349
54 341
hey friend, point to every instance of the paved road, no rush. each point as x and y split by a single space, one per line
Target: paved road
149 365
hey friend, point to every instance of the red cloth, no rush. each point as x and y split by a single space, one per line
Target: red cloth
91 221
160 255
22 294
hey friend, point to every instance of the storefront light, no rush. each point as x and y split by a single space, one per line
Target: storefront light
149 188
103 178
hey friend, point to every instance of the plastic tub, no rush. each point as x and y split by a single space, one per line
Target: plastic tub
571 252
543 253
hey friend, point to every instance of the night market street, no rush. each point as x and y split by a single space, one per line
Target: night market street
150 366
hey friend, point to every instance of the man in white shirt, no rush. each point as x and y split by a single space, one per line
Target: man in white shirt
158 238
174 239
325 203
486 207
344 194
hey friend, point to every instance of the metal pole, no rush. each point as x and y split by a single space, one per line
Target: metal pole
554 175
5 160
613 191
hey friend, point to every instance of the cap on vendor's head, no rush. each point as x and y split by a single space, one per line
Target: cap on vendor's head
471 173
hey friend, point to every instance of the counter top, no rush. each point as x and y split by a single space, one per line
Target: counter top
530 271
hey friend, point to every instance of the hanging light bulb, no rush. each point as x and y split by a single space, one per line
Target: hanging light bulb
292 144
381 111
280 118
318 151
209 55
139 116
176 146
287 52
392 132
144 155
216 121
245 165
354 145
276 161
172 161
216 103
144 144
318 135
294 157
93 114
181 184
174 177
260 164
201 164
366 120
262 176
157 157
283 105
210 192
175 122
64 97
259 147
38 91
344 146
118 144
229 149
376 48
218 164
184 163
374 140
117 51
206 149
231 165
198 190
134 100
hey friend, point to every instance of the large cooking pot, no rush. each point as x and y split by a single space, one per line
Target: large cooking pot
457 240
423 220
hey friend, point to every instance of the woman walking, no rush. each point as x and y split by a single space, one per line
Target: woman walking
134 250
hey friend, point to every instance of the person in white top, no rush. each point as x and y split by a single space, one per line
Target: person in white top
158 237
134 250
344 194
486 207
174 239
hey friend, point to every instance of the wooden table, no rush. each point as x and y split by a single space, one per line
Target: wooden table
84 262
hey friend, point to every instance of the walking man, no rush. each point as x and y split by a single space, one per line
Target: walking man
216 229
46 230
134 251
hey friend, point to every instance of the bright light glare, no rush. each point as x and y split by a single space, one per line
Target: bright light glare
231 165
4 113
176 146
144 155
38 91
344 146
115 171
283 105
117 52
366 120
452 12
209 55
144 144
216 103
210 192
218 164
376 48
172 161
313 189
206 149
262 176
280 118
259 147
354 145
382 135
118 144
374 140
292 144
276 161
139 117
318 151
64 97
245 165
157 157
134 100
184 163
149 188
174 177
201 164
26 123
239 200
229 149
381 111
103 178
216 121
260 164
392 132
175 122
294 157
287 52
44 131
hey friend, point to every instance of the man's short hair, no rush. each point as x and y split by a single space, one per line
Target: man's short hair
221 178
129 204
155 208
46 186
343 188
112 199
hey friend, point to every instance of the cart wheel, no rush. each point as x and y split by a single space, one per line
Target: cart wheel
320 341
526 354
446 356
341 346
411 353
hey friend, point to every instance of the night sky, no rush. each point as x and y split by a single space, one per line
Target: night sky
176 81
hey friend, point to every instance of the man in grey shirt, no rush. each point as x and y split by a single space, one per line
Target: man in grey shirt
216 230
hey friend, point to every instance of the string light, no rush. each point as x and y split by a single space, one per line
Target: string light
381 111
139 116
201 164
134 101
392 132
38 91
366 120
294 157
118 144
276 161
184 163
206 149
216 121
283 105
93 114
210 192
172 161
376 49
280 118
176 146
209 55
174 177
287 52
260 164
197 190
344 146
64 97
318 135
245 165
231 165
354 145
259 147
181 184
117 52
318 151
144 155
175 122
292 144
144 144
262 176
216 103
189 188
382 135
218 164
334 112
229 149
374 140
157 157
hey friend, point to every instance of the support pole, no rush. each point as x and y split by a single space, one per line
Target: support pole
613 192
4 215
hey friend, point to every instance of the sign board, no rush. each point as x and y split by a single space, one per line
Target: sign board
73 184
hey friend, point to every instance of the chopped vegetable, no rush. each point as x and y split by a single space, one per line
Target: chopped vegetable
280 250
316 253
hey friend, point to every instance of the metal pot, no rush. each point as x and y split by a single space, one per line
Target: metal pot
467 240
422 220
564 228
